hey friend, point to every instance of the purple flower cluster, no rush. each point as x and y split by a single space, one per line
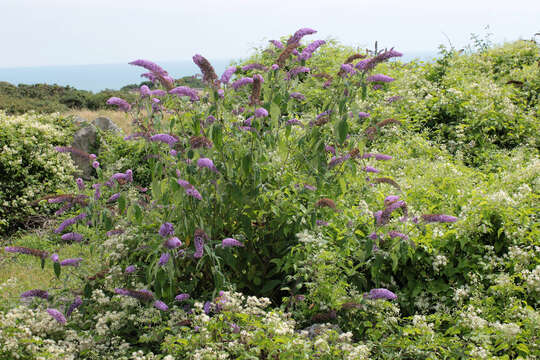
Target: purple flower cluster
298 35
166 230
69 222
297 96
254 66
121 103
227 74
182 297
75 304
185 91
380 78
160 305
261 112
80 184
127 176
241 82
294 122
72 236
172 243
230 242
310 49
165 138
209 74
370 169
27 251
381 294
131 269
297 70
143 295
439 218
57 315
277 44
35 293
394 234
347 69
190 189
71 262
363 115
199 238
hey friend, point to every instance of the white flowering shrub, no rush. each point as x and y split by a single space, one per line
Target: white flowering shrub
30 167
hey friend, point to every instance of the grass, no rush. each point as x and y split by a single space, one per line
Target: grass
19 273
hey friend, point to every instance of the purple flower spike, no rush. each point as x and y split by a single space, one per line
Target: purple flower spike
95 164
261 112
297 96
275 67
199 238
114 197
277 44
130 269
207 307
165 138
310 49
72 236
69 222
382 157
55 257
57 315
158 92
181 297
294 122
160 305
166 230
330 149
321 223
207 163
150 66
373 236
191 191
381 294
347 69
296 71
394 234
254 66
145 91
227 74
164 259
71 262
35 293
75 304
363 115
185 91
241 82
370 169
298 35
230 242
439 218
390 199
80 184
380 78
173 243
121 103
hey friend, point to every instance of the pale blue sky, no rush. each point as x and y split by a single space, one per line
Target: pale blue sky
69 32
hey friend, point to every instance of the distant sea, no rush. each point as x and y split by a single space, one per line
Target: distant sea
114 76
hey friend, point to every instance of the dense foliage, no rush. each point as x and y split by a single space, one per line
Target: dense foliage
291 210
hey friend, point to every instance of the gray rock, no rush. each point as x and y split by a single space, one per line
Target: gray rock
79 121
105 124
85 139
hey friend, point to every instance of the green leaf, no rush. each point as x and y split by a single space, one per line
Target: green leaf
275 113
122 203
57 269
42 263
342 130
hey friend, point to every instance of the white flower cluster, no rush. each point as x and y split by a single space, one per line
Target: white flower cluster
439 262
532 279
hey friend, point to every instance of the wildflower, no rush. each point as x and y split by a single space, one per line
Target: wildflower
166 229
368 64
164 259
185 91
310 187
95 164
385 215
199 238
130 269
321 223
241 82
379 78
55 257
28 251
254 66
261 112
298 35
390 199
35 293
394 234
75 304
57 315
377 216
227 74
221 93
370 169
373 236
143 295
336 160
191 191
275 66
173 152
277 44
363 115
69 222
326 202
210 120
72 236
382 157
199 142
144 91
346 69
150 66
158 92
181 297
71 262
166 138
297 70
209 74
297 96
206 163
392 99
438 218
230 242
294 122
80 184
160 305
113 197
353 57
381 294
310 49
121 103
207 307
256 90
172 243
330 149
386 181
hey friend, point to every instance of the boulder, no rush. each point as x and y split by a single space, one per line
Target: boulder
85 139
105 124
